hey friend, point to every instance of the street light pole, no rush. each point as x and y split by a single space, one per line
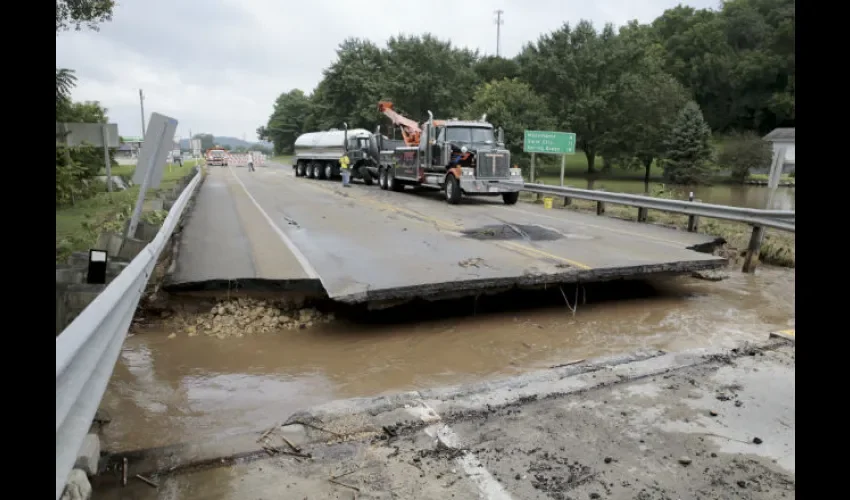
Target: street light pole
142 104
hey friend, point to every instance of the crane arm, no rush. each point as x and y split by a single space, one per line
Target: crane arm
410 130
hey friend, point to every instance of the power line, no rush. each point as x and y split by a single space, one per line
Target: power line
499 23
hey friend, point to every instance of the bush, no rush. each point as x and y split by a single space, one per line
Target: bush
75 180
743 153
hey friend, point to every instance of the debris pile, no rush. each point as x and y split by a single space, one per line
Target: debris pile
246 316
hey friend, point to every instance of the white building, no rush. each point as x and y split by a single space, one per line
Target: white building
783 138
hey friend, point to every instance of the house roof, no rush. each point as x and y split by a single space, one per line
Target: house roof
781 134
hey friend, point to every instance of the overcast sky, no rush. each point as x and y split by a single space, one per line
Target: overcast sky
218 65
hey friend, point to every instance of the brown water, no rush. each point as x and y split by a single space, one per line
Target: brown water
168 390
722 194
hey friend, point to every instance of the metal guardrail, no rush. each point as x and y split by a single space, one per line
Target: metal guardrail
777 219
87 350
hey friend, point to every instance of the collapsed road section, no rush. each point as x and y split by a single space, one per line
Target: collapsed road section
367 245
706 423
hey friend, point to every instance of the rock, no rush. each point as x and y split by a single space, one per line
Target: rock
712 413
710 275
517 477
608 460
685 460
594 495
739 403
757 440
742 483
192 330
77 487
173 336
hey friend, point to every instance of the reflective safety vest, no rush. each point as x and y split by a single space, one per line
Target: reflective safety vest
344 161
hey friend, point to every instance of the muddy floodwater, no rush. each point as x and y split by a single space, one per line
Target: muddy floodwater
167 389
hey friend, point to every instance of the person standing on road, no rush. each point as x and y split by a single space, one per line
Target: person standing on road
250 161
344 169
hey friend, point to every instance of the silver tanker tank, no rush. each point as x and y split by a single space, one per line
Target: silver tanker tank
317 154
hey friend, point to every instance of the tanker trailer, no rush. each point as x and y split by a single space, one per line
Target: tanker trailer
317 154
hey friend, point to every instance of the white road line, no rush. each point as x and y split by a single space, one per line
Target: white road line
488 487
308 268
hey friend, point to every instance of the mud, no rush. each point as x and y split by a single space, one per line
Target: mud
171 386
649 428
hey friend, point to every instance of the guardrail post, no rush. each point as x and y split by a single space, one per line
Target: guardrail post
600 208
567 201
753 250
693 220
643 213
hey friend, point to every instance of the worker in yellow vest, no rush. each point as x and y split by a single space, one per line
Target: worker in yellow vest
345 170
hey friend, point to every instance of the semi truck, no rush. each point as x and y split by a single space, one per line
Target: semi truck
317 154
459 157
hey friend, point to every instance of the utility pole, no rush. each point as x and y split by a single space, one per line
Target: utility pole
499 23
142 103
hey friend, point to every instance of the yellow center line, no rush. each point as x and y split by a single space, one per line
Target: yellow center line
543 253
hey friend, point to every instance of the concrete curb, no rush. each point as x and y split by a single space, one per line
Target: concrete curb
366 418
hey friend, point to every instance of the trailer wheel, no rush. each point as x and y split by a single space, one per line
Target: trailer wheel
329 171
382 178
314 173
452 190
299 169
510 198
367 177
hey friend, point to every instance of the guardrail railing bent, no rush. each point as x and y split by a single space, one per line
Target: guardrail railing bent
87 350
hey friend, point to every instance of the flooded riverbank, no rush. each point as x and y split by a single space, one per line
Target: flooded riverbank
172 388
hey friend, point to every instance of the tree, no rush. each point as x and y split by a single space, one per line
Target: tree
647 100
207 141
514 106
65 82
688 153
350 89
495 68
78 13
427 74
287 120
81 112
743 153
578 71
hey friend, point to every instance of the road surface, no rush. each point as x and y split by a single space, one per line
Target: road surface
695 424
364 244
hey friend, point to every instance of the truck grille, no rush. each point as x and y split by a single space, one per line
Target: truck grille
493 164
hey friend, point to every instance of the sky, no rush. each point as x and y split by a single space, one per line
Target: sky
217 66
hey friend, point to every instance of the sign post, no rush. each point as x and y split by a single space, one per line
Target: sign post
553 143
151 162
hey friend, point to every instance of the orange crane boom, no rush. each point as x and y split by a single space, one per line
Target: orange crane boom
410 130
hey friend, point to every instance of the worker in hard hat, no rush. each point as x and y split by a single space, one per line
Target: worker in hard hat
250 161
345 170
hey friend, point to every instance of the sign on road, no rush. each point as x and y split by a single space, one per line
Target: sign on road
554 143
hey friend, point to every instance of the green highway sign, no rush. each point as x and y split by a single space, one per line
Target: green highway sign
553 143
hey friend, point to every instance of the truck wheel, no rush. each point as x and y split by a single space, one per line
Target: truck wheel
452 190
329 171
392 184
382 178
367 177
510 198
299 170
314 172
320 171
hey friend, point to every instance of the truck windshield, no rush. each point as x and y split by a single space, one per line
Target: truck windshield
217 154
470 135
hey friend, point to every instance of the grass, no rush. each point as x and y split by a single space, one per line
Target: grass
78 226
778 247
285 159
784 178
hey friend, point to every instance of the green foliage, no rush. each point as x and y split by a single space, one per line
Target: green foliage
743 153
291 111
65 81
78 13
739 61
491 68
514 106
688 152
81 112
207 141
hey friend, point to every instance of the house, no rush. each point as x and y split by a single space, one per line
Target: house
129 147
783 138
